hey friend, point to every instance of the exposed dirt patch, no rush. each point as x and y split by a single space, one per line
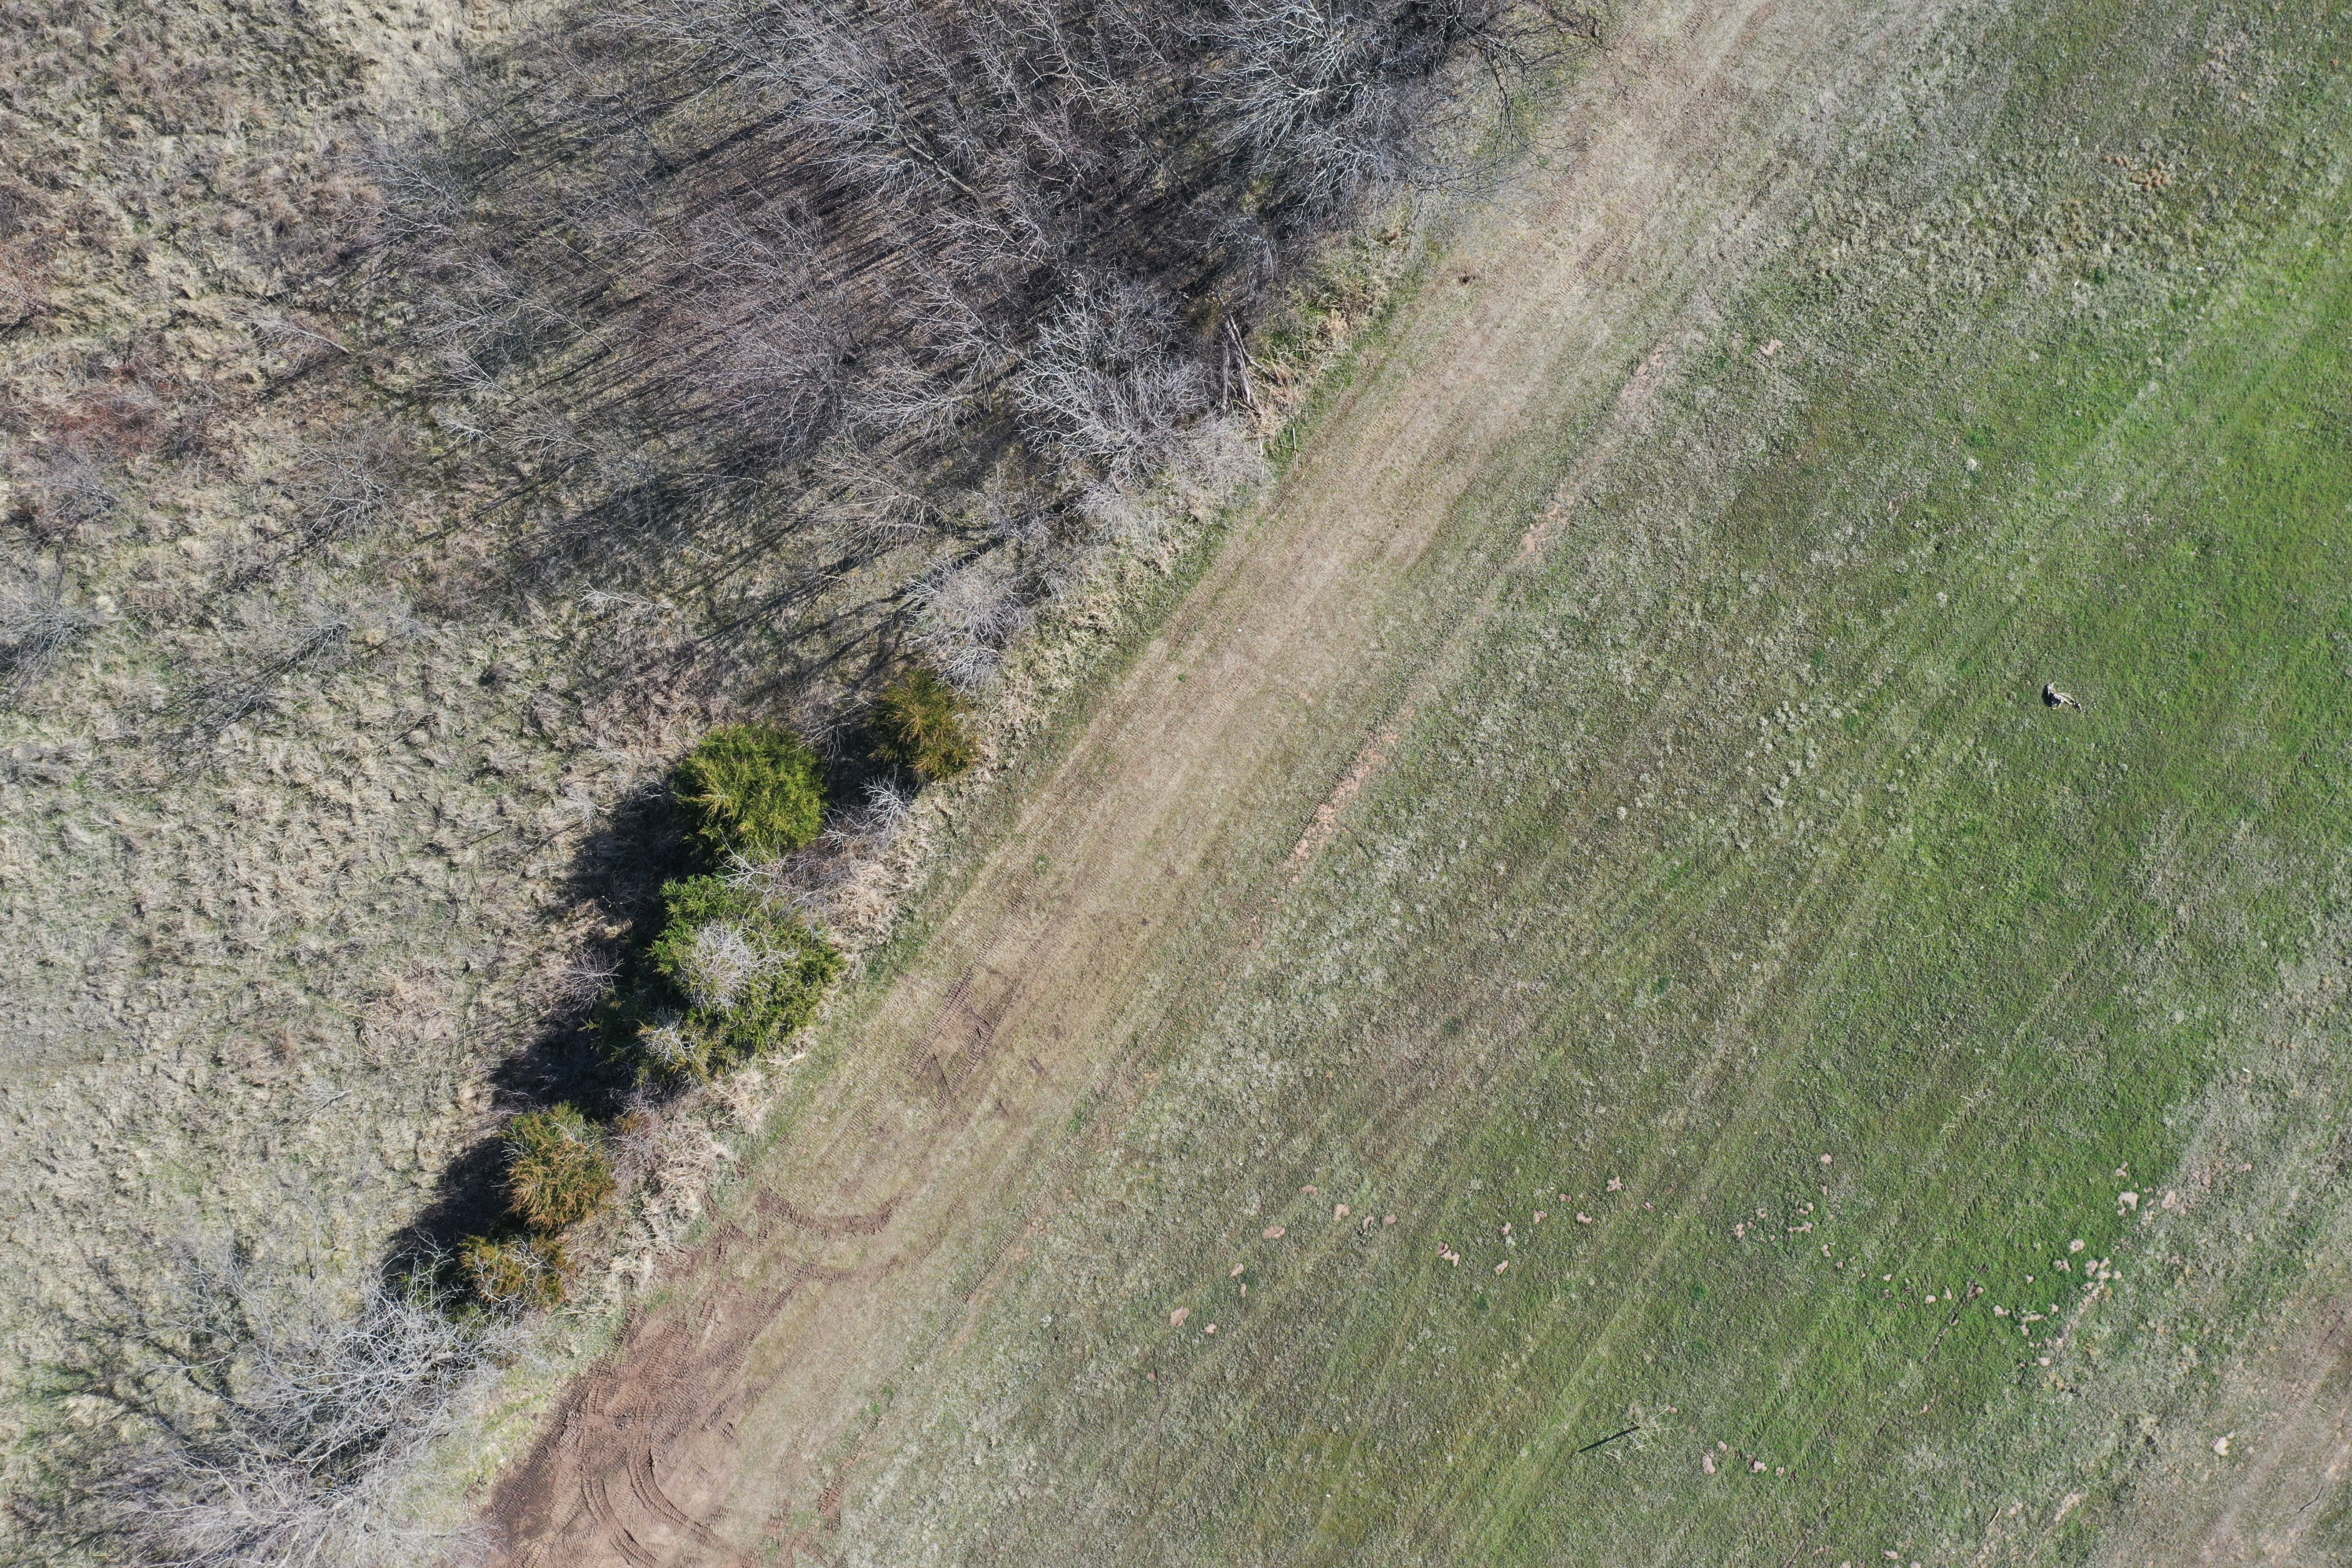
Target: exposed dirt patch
741 1402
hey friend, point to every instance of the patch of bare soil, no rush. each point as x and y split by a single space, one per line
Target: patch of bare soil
739 1407
2300 1461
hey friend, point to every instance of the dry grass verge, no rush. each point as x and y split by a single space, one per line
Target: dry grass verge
332 779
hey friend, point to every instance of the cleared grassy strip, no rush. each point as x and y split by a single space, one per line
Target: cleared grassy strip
920 1149
1998 1017
1748 840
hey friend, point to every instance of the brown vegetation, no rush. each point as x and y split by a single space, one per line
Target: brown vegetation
557 1168
920 723
231 1417
897 282
391 508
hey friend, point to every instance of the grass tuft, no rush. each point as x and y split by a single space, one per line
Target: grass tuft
516 1272
919 724
557 1168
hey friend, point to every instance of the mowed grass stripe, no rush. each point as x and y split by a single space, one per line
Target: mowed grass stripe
2069 957
2062 959
1961 979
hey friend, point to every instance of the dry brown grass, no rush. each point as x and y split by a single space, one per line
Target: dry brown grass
328 776
248 784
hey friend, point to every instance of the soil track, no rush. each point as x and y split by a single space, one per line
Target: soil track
741 1405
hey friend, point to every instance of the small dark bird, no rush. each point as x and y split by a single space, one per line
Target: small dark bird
2053 697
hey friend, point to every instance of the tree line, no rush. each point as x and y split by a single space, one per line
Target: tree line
894 279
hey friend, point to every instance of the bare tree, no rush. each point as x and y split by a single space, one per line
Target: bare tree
967 614
248 1418
1107 385
338 488
837 880
708 261
76 486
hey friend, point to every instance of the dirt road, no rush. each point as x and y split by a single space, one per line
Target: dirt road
740 1406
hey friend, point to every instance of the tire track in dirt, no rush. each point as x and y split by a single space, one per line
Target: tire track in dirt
734 1407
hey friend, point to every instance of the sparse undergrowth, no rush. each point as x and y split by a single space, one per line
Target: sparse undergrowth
516 1269
229 1416
895 306
315 709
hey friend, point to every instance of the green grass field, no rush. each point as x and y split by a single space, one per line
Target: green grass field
1737 906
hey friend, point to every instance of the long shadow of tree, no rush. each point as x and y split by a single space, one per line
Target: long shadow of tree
571 1059
619 867
823 319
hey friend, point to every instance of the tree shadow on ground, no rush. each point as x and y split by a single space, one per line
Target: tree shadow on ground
618 868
